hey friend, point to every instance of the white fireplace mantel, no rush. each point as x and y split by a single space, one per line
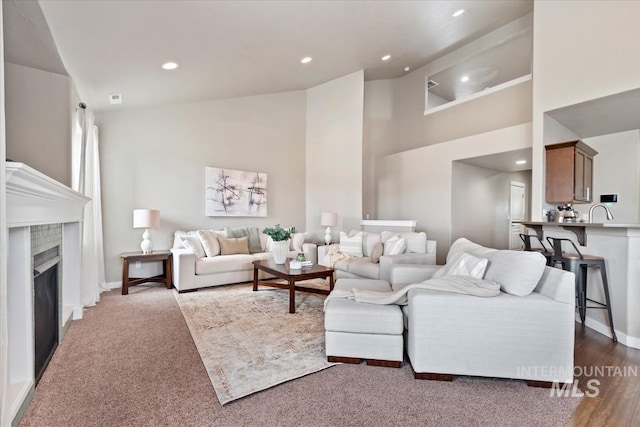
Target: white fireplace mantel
34 198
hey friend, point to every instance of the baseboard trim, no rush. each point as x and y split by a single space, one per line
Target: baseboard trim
605 330
112 285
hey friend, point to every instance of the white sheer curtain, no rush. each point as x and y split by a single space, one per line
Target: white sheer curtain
86 180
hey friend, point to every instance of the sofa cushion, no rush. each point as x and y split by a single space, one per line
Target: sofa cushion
351 245
363 267
463 264
395 245
210 244
376 252
297 240
416 242
192 242
465 245
253 233
224 264
517 272
369 241
386 235
239 245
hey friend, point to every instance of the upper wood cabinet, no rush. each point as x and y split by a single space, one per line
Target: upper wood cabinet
569 171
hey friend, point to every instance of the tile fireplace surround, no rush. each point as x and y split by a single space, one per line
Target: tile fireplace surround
34 199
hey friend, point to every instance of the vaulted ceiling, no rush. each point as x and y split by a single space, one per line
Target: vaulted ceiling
240 48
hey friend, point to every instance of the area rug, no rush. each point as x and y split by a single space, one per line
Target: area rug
248 341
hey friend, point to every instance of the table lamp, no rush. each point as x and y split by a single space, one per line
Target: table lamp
328 219
146 218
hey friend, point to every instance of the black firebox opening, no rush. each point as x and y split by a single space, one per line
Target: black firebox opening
45 318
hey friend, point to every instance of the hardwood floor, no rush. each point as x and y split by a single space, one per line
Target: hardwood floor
617 402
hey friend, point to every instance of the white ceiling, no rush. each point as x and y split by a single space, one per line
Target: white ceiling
602 116
503 162
492 67
239 48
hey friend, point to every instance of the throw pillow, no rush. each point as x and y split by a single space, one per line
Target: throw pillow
395 245
369 241
297 240
463 264
192 242
376 252
517 272
209 242
351 245
255 245
386 235
416 242
253 233
238 245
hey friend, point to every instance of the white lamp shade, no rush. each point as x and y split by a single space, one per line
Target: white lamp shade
328 219
146 218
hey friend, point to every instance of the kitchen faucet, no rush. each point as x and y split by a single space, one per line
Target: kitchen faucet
609 214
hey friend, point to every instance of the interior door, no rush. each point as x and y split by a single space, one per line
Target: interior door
517 214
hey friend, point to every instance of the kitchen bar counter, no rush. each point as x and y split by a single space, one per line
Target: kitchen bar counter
619 245
578 228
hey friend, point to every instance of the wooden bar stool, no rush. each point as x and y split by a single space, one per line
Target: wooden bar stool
578 264
526 239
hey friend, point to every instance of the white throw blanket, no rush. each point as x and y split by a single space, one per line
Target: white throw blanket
333 256
456 284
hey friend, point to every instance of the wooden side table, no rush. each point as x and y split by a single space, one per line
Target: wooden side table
129 257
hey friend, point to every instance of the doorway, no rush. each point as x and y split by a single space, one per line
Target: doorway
517 213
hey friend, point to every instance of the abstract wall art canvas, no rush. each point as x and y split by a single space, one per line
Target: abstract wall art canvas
232 192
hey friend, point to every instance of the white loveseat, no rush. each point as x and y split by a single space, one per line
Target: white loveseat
416 250
526 332
192 269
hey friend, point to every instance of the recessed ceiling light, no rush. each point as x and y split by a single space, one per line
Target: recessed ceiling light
407 68
386 57
458 13
464 79
521 162
306 60
169 65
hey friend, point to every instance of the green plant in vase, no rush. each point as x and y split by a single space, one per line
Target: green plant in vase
280 246
279 234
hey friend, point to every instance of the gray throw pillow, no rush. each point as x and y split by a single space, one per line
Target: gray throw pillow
253 234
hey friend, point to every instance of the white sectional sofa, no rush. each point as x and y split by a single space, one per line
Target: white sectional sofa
526 332
414 249
192 269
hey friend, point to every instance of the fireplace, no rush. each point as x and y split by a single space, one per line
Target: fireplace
45 308
42 215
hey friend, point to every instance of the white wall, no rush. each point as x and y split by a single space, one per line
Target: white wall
616 171
5 418
39 120
378 133
480 203
417 184
156 157
334 141
580 64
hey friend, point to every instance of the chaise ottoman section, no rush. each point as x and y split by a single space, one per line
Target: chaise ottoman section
357 331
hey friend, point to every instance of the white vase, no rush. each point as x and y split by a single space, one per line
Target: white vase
280 251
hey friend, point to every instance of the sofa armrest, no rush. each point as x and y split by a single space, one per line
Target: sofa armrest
387 261
184 269
405 274
310 252
558 285
322 251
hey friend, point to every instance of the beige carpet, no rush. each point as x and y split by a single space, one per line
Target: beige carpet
248 341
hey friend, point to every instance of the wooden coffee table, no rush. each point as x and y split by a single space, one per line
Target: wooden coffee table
282 271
